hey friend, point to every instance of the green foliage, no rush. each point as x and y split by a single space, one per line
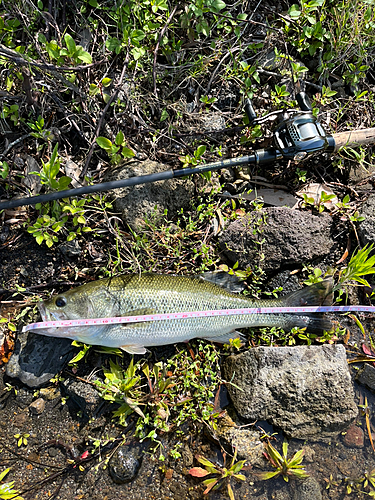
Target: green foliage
342 33
50 171
70 54
181 389
117 151
4 169
6 489
361 264
284 467
224 474
39 131
11 112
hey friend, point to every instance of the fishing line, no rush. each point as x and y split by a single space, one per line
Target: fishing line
194 314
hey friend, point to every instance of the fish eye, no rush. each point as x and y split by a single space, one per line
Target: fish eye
60 301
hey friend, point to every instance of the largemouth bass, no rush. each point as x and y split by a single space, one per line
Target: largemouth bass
131 295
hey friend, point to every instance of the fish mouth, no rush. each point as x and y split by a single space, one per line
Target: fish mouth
43 312
50 315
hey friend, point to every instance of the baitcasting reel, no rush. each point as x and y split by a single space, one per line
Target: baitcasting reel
298 133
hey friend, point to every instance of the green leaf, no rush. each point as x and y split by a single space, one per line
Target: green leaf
200 151
164 115
218 5
119 138
70 43
138 52
104 143
85 57
106 82
127 152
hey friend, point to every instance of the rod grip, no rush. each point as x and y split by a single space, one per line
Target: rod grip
354 138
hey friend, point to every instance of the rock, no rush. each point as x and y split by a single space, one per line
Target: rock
70 249
36 358
149 200
354 437
366 228
37 406
306 391
366 376
126 462
246 441
308 489
290 237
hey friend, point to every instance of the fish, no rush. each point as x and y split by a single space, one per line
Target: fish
141 294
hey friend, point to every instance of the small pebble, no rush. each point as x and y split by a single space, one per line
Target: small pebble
37 406
354 437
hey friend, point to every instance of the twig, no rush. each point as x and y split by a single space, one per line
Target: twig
157 46
12 144
101 119
229 53
18 59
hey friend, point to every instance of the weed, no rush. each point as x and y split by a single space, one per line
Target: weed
4 169
224 474
22 439
6 489
117 151
360 265
285 467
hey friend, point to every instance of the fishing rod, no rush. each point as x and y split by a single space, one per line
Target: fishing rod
298 135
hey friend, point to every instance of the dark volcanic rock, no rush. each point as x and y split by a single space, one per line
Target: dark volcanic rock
366 376
149 200
36 358
366 228
290 238
305 390
126 462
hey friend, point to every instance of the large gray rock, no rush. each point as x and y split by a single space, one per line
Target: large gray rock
366 229
306 391
290 237
149 200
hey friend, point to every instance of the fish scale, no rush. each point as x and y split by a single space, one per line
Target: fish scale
132 295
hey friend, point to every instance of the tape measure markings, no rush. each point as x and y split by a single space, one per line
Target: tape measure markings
194 314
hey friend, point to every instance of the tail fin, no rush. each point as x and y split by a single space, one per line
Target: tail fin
317 294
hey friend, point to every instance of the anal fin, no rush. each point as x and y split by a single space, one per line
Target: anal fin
225 337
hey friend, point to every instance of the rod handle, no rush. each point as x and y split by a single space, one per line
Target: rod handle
354 138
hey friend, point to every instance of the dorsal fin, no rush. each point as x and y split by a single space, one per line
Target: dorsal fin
224 280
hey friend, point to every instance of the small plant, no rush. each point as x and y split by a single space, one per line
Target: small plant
193 161
223 474
4 169
39 131
117 151
121 387
73 53
279 94
6 489
50 171
22 439
284 467
360 264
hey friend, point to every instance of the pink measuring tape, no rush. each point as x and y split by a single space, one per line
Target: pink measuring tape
194 314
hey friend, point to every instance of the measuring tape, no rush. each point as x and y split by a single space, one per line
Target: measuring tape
194 314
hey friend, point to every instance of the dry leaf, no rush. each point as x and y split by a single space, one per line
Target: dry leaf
315 190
